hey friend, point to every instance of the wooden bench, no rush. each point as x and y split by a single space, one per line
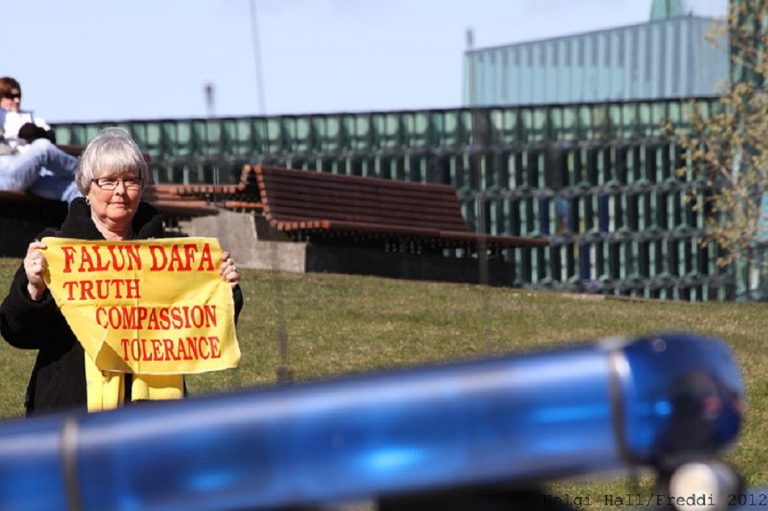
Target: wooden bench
237 197
395 215
171 204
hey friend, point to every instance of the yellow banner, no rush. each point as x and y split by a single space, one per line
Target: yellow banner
146 307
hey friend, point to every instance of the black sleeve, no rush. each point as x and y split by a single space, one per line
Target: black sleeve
31 132
237 295
25 323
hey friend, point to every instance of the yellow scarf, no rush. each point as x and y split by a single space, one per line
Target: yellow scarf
106 389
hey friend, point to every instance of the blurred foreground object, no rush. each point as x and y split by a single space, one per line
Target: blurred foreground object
657 402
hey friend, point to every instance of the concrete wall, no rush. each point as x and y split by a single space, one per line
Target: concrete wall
250 241
254 245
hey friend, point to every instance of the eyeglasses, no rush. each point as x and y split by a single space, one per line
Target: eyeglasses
110 184
11 95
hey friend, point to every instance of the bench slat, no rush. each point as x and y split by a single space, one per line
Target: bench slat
345 180
363 198
401 218
317 190
185 208
239 204
375 184
377 228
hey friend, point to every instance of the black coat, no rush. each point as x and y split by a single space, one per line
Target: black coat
58 377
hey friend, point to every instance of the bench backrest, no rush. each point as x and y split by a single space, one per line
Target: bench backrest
302 198
170 203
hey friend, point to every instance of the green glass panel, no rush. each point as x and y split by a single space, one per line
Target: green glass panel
274 136
358 130
170 138
660 114
199 137
229 135
154 139
497 127
214 138
585 124
615 120
421 130
526 124
289 136
328 133
629 117
450 126
646 125
464 128
387 130
259 128
601 123
138 131
541 129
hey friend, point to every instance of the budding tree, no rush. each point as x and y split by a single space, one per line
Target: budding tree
727 147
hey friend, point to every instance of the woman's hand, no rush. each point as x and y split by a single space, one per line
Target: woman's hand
229 272
34 266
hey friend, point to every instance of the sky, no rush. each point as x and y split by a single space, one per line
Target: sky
110 60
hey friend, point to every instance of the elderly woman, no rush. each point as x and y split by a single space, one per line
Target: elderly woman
111 176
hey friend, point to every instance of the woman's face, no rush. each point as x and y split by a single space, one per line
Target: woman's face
114 198
11 100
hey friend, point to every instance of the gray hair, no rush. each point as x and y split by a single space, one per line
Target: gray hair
114 151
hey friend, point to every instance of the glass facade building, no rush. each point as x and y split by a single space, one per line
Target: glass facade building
669 57
588 133
633 229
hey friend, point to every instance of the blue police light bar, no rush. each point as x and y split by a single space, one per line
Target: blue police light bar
652 401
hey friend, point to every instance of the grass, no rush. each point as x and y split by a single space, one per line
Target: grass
340 324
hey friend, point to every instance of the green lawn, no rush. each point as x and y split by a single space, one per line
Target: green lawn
338 324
